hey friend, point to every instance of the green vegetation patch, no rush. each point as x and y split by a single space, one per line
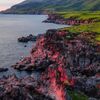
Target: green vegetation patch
84 15
97 38
77 96
94 27
81 15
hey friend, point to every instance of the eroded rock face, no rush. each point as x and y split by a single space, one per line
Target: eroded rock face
53 48
12 88
61 61
88 85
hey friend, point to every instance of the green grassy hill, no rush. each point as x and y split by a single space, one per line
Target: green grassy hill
39 6
92 27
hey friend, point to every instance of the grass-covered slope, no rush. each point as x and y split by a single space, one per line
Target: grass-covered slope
92 27
77 96
38 6
95 27
81 15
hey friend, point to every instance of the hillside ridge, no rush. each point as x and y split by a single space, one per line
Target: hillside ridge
40 6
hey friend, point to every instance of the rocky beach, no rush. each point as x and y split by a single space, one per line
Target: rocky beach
66 62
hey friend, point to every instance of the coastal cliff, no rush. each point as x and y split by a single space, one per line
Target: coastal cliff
67 64
58 19
64 63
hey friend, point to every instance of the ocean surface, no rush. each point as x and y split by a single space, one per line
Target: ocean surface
14 26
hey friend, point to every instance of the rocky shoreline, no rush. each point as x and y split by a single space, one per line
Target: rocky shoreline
56 18
62 63
72 64
12 88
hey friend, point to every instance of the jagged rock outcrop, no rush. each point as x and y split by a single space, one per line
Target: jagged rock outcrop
27 38
12 88
60 61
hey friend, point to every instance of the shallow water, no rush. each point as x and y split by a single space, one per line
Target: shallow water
14 26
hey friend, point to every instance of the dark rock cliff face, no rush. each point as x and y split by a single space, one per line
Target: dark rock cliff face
49 47
62 64
65 62
12 88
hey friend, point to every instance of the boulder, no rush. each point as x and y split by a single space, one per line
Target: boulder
27 38
23 39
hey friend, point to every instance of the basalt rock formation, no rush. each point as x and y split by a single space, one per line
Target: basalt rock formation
63 63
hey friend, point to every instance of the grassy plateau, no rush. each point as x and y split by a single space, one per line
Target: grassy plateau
84 15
